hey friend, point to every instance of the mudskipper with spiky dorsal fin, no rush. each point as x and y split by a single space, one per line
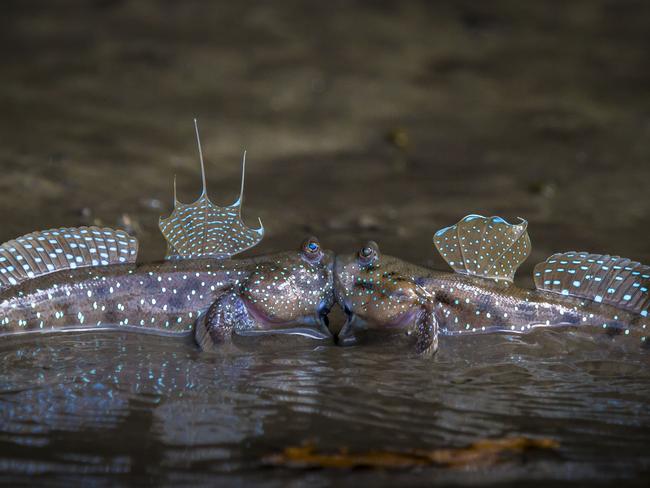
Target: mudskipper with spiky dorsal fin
86 278
383 293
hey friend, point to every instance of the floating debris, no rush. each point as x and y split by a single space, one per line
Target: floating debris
483 453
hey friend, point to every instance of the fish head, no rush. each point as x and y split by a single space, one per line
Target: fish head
378 293
291 293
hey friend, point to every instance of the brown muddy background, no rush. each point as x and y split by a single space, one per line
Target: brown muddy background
362 120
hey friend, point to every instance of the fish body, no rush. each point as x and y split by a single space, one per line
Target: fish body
86 278
385 293
168 297
163 297
466 304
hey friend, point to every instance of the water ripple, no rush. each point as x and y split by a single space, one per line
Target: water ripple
99 401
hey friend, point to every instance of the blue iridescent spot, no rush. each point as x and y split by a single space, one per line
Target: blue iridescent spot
313 246
576 284
598 298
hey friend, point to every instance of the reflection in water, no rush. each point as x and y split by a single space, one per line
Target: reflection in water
155 407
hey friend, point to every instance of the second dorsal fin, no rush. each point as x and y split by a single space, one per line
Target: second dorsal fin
488 247
202 229
612 280
47 251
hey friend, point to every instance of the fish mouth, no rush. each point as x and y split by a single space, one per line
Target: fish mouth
313 327
347 335
355 324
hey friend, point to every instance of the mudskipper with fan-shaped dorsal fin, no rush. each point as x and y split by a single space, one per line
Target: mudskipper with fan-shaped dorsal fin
86 278
385 294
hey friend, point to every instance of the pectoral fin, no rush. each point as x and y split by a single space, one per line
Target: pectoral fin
426 330
214 328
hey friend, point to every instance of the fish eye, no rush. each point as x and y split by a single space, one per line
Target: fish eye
311 248
369 253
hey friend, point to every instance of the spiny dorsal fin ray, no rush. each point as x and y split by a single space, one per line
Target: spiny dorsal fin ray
612 280
47 251
488 247
203 229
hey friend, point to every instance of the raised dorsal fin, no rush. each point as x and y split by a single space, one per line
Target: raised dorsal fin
47 251
203 229
613 280
488 247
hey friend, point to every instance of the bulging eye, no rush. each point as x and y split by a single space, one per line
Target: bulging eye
311 248
369 253
366 252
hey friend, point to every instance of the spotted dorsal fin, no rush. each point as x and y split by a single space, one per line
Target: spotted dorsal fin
47 251
488 247
612 280
203 229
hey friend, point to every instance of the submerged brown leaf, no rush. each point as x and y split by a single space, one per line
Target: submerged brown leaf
482 453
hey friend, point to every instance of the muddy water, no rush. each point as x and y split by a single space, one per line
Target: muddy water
369 121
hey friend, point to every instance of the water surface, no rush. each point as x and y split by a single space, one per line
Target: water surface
147 409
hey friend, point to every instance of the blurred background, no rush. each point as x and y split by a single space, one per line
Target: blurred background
362 120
